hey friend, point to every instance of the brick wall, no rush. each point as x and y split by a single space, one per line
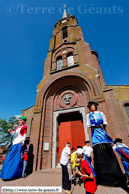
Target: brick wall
82 82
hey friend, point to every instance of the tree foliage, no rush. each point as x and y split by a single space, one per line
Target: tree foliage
5 137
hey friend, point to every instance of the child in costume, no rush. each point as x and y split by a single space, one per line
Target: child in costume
13 164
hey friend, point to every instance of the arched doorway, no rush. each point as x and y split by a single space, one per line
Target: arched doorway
65 96
69 125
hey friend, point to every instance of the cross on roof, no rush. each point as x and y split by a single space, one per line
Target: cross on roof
65 14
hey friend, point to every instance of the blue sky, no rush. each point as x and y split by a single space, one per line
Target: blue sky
25 32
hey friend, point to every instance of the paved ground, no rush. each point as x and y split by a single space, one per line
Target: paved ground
53 177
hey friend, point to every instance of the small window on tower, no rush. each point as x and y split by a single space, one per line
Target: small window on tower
70 59
59 63
127 108
65 34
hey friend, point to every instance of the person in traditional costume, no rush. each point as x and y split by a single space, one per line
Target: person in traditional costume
13 164
123 151
106 164
87 150
86 173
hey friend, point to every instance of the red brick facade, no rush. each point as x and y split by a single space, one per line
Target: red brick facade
70 88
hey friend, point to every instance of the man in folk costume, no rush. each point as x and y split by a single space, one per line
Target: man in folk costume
123 151
13 164
87 150
106 164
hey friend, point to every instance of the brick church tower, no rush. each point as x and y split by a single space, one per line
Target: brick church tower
72 76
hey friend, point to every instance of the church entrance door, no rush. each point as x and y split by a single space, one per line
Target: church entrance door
70 129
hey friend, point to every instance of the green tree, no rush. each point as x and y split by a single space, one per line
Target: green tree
5 137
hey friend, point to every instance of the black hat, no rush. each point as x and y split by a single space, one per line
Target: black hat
117 140
72 148
87 142
79 147
92 102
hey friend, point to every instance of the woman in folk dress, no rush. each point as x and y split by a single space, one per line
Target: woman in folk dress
106 165
13 164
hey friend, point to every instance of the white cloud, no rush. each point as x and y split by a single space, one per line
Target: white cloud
17 116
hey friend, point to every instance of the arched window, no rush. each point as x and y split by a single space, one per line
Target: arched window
65 34
127 108
59 63
70 60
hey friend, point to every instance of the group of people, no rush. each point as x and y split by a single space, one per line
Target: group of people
79 165
106 170
15 164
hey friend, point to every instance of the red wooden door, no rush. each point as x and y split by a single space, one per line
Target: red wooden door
70 131
78 135
64 136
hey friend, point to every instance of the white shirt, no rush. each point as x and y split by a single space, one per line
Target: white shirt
65 156
102 115
87 150
119 145
18 136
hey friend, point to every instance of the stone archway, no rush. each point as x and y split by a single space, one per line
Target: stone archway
68 94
